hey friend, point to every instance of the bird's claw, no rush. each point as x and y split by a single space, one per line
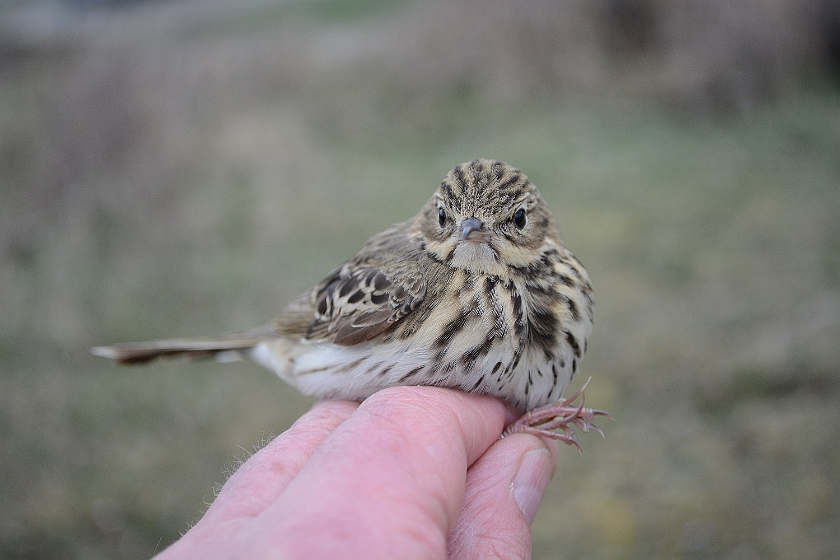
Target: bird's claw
555 420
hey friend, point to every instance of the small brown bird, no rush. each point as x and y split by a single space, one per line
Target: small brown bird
476 292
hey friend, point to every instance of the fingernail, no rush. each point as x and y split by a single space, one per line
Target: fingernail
531 480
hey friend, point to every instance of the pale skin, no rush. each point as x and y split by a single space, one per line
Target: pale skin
412 472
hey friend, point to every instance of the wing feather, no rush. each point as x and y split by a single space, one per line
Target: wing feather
361 299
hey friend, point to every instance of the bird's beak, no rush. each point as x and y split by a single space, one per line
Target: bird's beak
473 230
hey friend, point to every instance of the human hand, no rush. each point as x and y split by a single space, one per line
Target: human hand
412 472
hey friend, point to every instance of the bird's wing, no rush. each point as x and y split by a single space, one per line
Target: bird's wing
363 298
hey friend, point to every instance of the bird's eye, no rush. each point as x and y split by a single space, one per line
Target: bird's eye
441 217
519 219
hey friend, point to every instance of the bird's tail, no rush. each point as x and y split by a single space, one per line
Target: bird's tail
223 348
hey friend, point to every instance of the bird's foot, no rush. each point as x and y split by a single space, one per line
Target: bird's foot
555 420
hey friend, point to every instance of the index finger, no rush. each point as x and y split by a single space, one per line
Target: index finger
389 481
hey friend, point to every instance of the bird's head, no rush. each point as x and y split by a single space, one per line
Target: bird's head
486 216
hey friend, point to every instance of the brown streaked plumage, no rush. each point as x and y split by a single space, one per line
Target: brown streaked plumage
476 292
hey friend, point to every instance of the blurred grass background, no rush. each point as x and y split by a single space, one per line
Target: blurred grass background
187 167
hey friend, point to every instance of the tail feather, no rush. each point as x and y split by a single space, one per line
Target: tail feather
142 352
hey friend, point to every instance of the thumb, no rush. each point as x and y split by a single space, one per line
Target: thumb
504 489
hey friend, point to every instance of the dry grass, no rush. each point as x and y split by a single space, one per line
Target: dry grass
168 175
